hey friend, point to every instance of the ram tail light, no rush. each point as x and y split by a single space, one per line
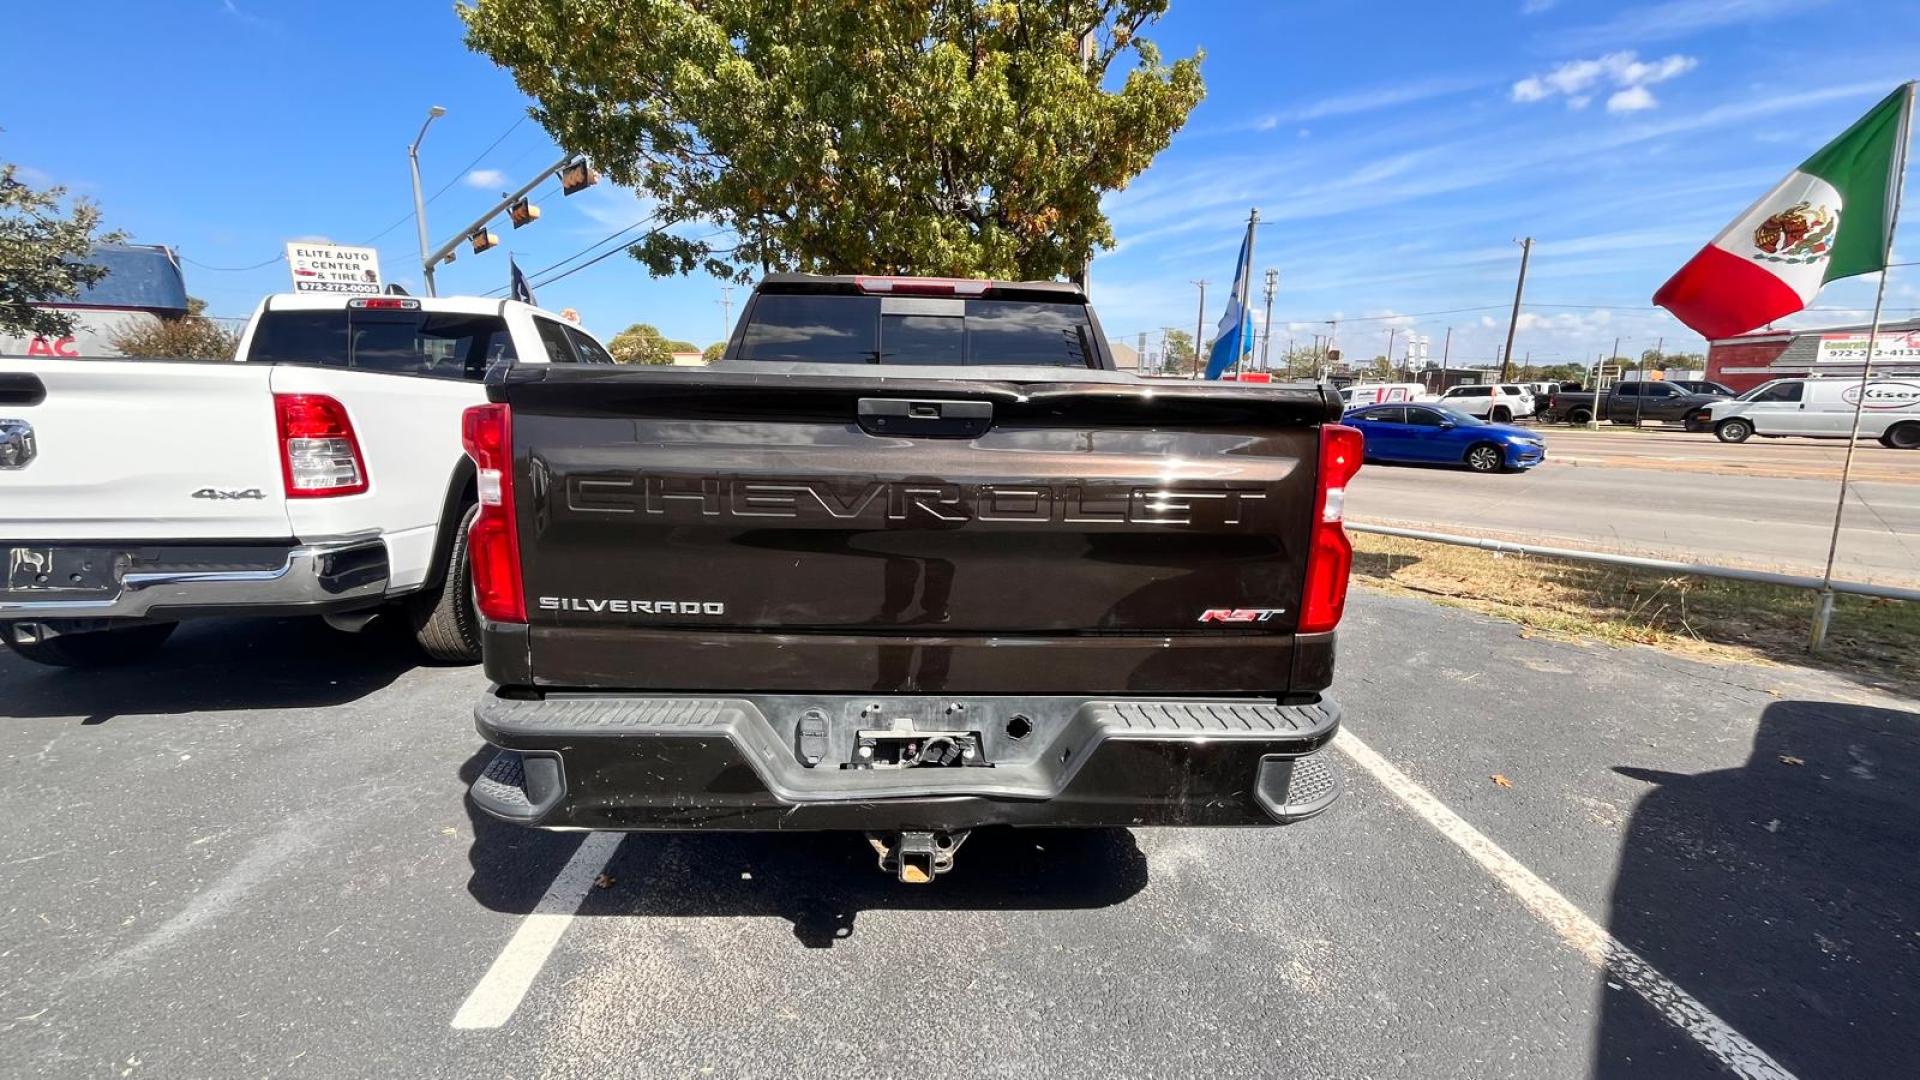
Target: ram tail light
1329 551
493 544
319 454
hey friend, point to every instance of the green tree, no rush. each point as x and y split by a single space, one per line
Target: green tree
967 138
1179 358
191 337
712 353
641 343
42 239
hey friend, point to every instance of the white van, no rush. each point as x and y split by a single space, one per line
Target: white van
1821 409
1382 393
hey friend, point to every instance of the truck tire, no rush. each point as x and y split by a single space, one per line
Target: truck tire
1502 415
1485 458
95 649
446 625
1905 436
1735 430
1580 417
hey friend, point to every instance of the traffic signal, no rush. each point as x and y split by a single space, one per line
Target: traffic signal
523 213
577 175
482 240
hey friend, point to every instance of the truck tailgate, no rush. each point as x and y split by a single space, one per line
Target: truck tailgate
771 532
142 450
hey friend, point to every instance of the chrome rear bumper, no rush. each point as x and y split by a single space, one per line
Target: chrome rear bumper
318 577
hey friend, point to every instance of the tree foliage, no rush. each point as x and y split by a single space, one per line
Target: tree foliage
42 239
641 343
1177 353
958 137
192 337
712 353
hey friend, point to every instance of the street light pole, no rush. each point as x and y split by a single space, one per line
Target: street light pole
419 204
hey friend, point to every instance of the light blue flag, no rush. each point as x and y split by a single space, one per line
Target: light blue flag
1233 341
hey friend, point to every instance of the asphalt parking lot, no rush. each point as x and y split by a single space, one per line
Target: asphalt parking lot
253 859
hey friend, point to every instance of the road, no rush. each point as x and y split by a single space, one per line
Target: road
1766 504
253 859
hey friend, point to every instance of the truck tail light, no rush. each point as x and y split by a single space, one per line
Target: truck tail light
887 286
1330 552
493 544
319 455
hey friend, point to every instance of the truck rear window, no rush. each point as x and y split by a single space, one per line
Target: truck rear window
435 344
829 329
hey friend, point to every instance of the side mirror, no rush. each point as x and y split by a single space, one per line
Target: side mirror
1446 423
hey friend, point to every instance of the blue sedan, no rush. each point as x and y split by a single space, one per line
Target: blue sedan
1435 434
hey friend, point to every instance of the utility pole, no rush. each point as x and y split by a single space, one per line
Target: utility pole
1599 391
1446 350
726 312
1199 324
1506 362
1266 336
1391 330
419 205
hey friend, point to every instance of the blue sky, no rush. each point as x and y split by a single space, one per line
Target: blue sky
1395 148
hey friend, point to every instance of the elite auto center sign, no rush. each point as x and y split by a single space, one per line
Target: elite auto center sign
1851 347
333 268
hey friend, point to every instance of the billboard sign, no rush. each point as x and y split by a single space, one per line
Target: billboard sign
333 268
1900 347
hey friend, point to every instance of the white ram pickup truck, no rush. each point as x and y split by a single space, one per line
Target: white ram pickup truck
321 474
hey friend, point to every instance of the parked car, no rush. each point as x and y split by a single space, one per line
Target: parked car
1704 386
1637 401
321 474
1438 434
1820 409
1381 393
1499 402
912 558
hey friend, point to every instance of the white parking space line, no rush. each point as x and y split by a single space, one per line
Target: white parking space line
1587 937
499 991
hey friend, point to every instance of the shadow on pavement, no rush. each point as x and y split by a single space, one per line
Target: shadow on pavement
217 665
1784 895
817 881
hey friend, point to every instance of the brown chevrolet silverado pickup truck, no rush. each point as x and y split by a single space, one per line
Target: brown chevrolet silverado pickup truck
911 559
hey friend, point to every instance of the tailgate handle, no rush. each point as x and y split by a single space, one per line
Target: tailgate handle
21 388
925 417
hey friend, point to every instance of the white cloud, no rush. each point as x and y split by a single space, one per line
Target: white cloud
1674 19
1370 100
1632 99
486 179
1578 80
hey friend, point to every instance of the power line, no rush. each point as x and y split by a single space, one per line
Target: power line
232 269
554 266
464 169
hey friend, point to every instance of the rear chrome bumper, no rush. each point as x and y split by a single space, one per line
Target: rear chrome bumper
313 577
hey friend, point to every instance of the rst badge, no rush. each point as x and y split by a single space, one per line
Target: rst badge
16 444
1241 615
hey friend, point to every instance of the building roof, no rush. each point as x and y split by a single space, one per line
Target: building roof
145 277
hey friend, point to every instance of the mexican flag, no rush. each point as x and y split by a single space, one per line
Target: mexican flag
1830 218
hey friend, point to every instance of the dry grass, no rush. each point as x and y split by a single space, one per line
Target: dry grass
1875 640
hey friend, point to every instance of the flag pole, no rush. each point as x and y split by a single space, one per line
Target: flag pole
1246 295
1823 610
